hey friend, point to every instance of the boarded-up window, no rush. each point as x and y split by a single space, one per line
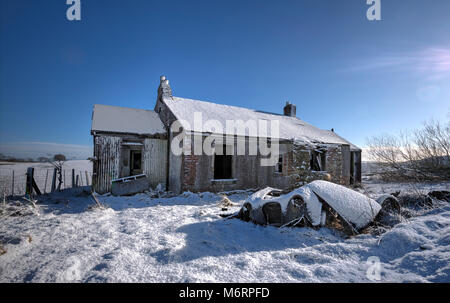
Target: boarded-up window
222 165
318 160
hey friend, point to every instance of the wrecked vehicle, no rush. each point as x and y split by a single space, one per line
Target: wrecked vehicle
317 204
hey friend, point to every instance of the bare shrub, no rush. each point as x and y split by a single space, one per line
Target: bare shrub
58 162
420 155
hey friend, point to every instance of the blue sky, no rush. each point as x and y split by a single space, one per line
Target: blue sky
361 78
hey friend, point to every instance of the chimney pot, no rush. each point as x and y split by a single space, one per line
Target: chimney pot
290 109
164 88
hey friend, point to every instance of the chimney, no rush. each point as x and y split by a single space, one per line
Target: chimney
290 110
164 89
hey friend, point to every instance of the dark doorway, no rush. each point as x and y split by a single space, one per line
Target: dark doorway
222 165
352 168
136 162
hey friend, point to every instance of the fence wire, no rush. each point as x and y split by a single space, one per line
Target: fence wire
13 181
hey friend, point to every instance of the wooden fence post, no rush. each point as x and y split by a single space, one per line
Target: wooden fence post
76 182
35 187
87 178
54 180
45 185
73 177
12 187
29 182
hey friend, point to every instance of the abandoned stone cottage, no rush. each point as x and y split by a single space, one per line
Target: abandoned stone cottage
137 142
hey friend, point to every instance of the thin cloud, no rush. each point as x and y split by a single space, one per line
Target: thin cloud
431 63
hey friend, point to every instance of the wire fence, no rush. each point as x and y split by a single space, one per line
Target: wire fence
13 181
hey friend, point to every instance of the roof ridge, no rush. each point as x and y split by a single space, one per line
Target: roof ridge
291 128
117 106
239 107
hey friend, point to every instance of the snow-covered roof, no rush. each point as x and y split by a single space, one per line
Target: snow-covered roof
291 128
353 147
118 119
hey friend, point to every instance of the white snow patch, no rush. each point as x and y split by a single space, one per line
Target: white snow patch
184 239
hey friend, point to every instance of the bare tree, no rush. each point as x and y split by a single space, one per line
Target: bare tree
423 154
58 162
43 159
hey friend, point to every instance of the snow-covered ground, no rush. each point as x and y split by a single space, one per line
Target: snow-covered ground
184 239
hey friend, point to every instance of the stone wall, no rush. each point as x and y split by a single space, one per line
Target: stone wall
198 171
334 163
299 168
189 172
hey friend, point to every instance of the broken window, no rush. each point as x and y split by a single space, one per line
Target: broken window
279 166
222 165
317 161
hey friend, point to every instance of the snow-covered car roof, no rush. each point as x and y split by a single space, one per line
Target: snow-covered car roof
354 207
116 119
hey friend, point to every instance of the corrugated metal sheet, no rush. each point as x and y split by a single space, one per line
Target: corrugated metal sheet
155 161
106 168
